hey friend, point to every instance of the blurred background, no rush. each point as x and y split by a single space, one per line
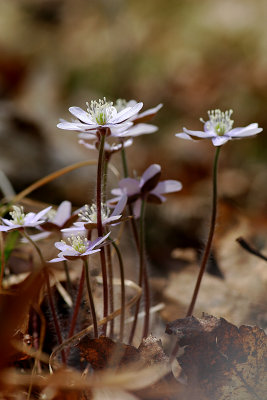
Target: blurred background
192 56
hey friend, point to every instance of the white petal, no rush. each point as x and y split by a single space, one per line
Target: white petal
87 145
63 213
184 136
249 130
140 129
70 126
120 206
220 140
200 134
122 116
151 171
150 111
61 246
58 259
81 115
98 241
36 237
40 214
4 228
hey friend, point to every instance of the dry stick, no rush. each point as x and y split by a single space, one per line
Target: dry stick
49 293
122 290
250 249
87 330
207 248
90 295
100 226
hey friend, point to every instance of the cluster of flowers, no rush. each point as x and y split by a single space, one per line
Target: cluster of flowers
119 123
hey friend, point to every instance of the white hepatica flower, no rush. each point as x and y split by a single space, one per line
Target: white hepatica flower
20 220
101 115
88 216
77 246
139 128
219 129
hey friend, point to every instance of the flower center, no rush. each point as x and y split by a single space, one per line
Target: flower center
101 111
89 214
17 215
78 243
220 121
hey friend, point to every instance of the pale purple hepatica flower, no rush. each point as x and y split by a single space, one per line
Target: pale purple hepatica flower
147 187
100 116
88 216
55 220
19 220
219 129
78 246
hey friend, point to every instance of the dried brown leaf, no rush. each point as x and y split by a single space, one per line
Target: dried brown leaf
103 352
222 361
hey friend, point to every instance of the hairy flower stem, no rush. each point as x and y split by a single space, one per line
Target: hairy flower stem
121 266
77 304
100 226
110 288
210 237
91 299
66 269
124 161
49 294
143 277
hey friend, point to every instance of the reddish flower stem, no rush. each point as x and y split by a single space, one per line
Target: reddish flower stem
103 134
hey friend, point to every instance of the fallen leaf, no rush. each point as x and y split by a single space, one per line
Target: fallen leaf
222 361
104 353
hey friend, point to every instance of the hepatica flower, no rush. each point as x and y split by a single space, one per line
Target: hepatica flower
88 216
219 128
19 220
101 115
148 187
77 246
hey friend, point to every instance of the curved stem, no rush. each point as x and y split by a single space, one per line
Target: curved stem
210 237
130 208
49 293
91 299
122 289
142 275
100 226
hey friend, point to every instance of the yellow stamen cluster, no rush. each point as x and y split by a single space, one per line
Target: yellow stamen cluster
17 215
78 243
89 214
101 111
220 121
